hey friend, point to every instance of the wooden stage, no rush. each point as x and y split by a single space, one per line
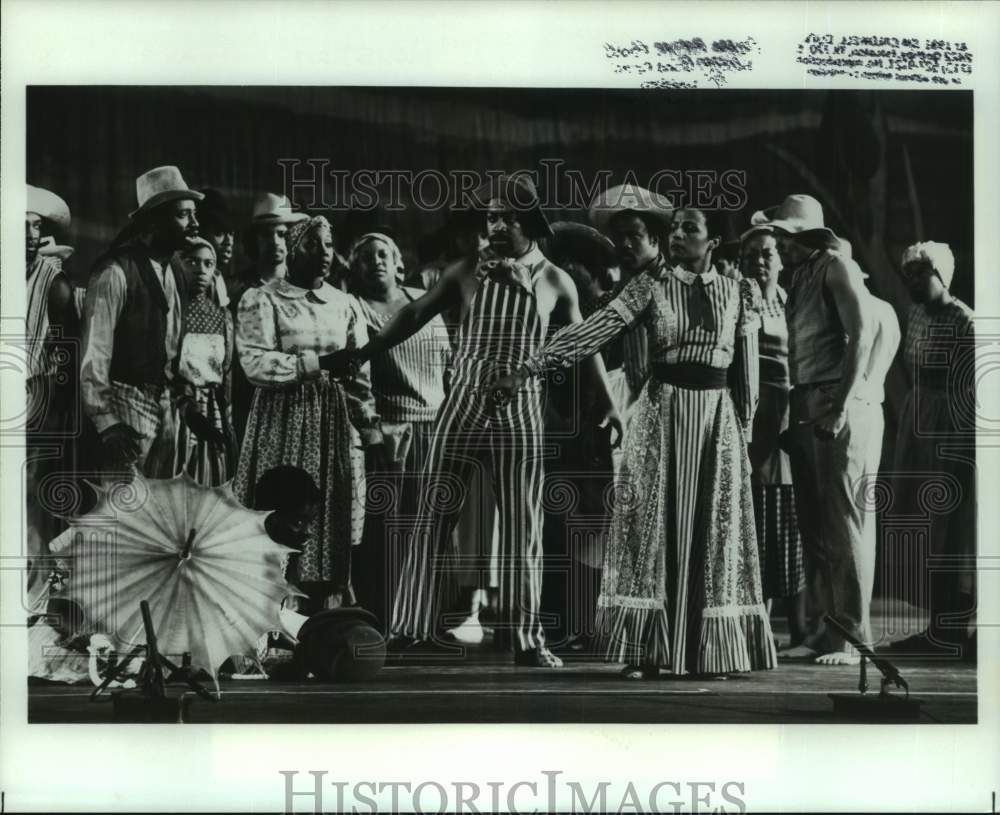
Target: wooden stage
485 686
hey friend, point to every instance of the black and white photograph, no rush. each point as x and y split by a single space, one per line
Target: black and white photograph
416 403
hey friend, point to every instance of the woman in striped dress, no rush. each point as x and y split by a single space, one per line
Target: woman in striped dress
408 386
934 472
300 415
681 587
204 362
782 572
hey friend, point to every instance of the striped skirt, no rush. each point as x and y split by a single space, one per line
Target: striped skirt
208 465
681 586
781 568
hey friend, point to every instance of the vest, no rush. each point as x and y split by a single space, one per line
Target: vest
139 355
817 340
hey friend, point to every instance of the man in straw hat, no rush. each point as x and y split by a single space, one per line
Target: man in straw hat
52 329
508 303
131 328
836 422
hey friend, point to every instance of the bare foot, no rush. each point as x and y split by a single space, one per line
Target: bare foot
798 652
837 658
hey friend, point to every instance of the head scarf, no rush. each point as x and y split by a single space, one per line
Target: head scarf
354 258
937 254
296 237
197 243
218 288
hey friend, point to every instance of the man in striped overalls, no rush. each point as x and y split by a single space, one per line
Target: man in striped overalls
506 304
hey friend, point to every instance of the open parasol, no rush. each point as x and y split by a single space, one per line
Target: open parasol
213 579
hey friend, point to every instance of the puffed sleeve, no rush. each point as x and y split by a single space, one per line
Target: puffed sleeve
265 365
358 388
581 340
746 361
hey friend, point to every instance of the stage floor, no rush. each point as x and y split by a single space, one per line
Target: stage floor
487 687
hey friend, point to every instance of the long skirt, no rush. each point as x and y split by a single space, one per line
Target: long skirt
308 426
681 586
781 566
210 466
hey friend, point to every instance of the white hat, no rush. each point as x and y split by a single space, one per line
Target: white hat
938 254
160 185
796 214
48 248
628 197
48 205
269 208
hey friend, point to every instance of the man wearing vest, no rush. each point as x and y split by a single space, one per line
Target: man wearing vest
837 370
131 327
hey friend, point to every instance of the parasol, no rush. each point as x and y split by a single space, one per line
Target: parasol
213 579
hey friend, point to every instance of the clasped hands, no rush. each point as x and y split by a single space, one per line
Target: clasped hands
345 363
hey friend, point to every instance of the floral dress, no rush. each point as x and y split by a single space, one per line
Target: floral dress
301 416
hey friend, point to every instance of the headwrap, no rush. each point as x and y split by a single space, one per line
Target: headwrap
296 235
354 257
218 287
937 254
197 243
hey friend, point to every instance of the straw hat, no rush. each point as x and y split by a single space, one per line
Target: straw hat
797 215
269 209
48 205
628 198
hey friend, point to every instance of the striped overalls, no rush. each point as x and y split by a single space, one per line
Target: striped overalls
502 328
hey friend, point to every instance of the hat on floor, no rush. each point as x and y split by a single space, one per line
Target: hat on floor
48 205
796 215
160 186
628 198
342 644
49 248
518 193
581 241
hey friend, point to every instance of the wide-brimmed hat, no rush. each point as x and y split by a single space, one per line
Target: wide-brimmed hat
797 215
160 186
583 242
628 198
518 193
214 213
342 644
49 248
48 205
270 209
